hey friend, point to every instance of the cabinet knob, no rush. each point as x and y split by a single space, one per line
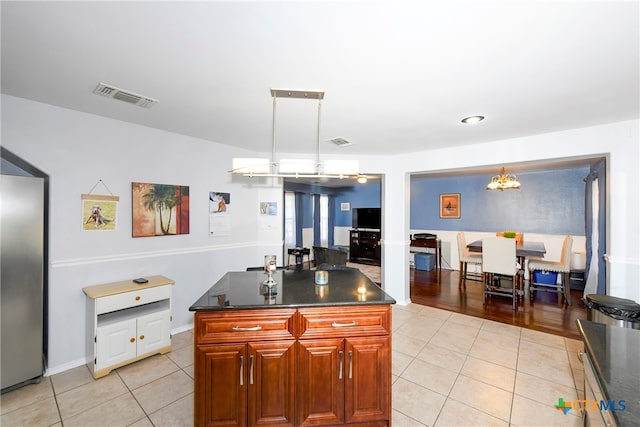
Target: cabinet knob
137 298
132 340
141 337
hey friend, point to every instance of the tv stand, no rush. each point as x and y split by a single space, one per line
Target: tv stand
364 246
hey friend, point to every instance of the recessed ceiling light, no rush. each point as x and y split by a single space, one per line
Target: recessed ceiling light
471 120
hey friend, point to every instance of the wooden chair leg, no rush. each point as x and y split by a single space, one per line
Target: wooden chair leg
484 288
464 277
566 288
531 286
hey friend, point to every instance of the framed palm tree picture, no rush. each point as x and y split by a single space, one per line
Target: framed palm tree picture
159 209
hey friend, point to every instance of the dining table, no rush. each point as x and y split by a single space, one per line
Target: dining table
525 250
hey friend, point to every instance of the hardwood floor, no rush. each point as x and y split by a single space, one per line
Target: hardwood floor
439 288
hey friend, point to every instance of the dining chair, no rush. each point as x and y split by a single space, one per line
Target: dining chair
466 258
299 254
499 260
333 267
323 255
563 266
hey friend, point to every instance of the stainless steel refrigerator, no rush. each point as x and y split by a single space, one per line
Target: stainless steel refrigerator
22 219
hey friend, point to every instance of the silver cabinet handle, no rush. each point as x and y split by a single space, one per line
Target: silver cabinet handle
251 369
241 367
350 364
239 329
340 365
344 325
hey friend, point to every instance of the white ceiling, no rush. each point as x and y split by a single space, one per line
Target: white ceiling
398 76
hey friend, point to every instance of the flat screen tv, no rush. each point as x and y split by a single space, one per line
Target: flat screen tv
366 218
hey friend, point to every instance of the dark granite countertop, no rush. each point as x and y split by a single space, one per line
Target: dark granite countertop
615 353
294 288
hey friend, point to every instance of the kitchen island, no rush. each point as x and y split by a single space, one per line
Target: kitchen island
612 374
295 353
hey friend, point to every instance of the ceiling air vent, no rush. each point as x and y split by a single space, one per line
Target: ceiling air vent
340 142
110 91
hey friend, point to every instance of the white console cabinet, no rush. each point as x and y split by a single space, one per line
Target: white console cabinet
127 321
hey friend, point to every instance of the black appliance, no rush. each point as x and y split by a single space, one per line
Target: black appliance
368 218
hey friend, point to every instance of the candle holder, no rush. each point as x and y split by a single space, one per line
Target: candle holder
270 293
269 268
321 277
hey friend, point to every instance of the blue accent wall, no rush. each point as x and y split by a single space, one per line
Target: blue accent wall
549 202
359 196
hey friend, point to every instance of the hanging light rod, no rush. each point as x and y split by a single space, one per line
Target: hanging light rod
292 93
295 168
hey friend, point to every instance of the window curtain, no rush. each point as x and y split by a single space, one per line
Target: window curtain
331 219
299 212
595 230
290 235
323 220
316 220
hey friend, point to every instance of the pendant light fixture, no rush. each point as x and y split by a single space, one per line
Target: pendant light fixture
503 182
295 168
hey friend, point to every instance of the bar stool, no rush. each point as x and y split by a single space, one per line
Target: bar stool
299 254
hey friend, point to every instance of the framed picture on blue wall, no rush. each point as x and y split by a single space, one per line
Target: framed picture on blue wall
450 205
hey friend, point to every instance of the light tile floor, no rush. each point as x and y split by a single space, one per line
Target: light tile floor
449 369
371 271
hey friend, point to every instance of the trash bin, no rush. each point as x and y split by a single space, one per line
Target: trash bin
425 261
613 311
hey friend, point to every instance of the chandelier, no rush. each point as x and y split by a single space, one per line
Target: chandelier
503 182
295 168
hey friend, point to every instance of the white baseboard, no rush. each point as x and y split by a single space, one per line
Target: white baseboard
183 328
61 368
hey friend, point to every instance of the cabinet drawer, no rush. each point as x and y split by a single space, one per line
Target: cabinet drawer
132 299
345 321
239 326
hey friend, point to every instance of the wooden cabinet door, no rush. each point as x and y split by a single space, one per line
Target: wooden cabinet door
115 343
367 379
320 386
271 383
220 386
154 332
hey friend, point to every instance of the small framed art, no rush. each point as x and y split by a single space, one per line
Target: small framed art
450 205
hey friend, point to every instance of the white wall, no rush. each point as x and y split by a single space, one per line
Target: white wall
341 236
78 149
